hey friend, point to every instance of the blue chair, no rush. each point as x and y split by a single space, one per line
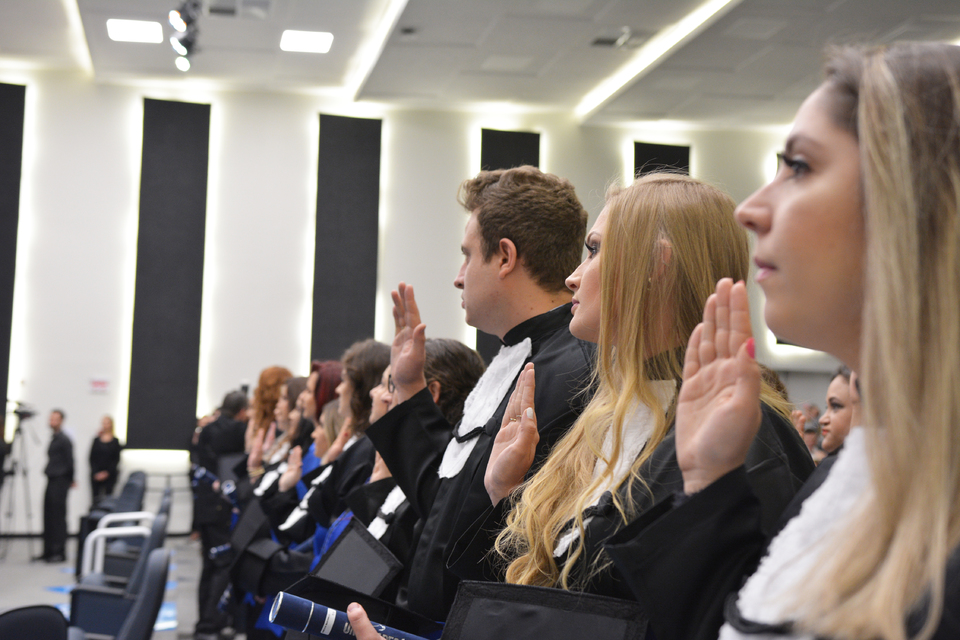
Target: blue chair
38 622
120 614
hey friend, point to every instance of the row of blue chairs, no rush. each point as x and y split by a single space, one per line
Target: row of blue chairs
121 582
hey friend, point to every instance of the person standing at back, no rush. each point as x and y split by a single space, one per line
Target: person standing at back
59 472
524 235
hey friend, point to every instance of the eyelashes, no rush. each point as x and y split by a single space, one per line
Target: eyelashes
795 165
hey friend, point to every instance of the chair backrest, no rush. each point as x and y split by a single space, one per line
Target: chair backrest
38 622
158 534
166 500
143 615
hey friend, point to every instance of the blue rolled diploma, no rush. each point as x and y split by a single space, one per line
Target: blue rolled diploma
292 612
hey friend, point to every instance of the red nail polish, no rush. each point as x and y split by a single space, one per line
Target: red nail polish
751 348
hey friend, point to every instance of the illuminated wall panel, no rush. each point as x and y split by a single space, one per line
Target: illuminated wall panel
170 241
348 208
649 157
11 155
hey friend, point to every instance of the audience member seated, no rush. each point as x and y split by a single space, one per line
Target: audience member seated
654 255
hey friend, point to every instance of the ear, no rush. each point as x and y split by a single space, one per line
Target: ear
434 387
507 255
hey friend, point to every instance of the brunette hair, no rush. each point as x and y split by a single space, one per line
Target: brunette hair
363 364
457 368
539 212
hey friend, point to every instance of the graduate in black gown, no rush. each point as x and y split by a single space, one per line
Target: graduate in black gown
523 237
869 548
655 252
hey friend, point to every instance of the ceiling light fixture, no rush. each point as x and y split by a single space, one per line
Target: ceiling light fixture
306 41
372 47
134 31
181 18
184 43
184 22
652 53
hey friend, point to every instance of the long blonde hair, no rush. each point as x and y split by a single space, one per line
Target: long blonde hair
669 238
903 104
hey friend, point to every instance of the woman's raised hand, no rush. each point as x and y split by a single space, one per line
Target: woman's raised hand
408 353
255 456
336 447
516 442
718 410
290 477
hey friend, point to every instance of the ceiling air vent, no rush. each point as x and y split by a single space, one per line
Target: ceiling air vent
627 38
258 9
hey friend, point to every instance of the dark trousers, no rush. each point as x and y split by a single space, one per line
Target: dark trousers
214 578
55 517
101 489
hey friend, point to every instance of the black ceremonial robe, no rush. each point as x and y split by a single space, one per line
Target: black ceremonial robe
412 438
777 465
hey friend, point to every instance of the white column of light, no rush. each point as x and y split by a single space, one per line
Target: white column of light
134 138
18 372
652 53
383 328
305 324
210 315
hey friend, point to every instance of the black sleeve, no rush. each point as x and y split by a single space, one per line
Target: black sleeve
470 557
411 438
350 470
681 563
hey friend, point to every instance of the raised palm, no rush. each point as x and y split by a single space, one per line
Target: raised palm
516 442
718 410
408 352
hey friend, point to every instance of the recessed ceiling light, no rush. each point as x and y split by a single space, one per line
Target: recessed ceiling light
306 41
134 31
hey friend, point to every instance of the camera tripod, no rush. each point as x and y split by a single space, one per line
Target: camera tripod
16 470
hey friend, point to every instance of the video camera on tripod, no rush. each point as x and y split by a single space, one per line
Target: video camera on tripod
23 410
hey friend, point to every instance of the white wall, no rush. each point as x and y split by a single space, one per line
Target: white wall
76 255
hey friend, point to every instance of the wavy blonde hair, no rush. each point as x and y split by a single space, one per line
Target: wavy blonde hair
669 239
902 102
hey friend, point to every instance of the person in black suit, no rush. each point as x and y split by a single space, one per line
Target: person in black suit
59 472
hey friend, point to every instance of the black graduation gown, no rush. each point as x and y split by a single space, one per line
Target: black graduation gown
682 562
778 464
413 436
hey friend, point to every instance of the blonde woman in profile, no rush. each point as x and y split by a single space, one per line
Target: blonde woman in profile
654 256
871 550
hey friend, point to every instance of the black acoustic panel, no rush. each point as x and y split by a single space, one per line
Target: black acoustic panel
166 312
348 212
504 150
11 155
648 157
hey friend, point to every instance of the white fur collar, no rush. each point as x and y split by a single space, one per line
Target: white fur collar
794 552
637 428
482 403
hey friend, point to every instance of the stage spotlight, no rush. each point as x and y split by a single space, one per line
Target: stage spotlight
184 44
181 19
183 64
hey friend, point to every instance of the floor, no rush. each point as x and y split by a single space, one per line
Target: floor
23 582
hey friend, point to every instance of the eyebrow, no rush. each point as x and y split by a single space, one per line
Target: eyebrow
799 138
